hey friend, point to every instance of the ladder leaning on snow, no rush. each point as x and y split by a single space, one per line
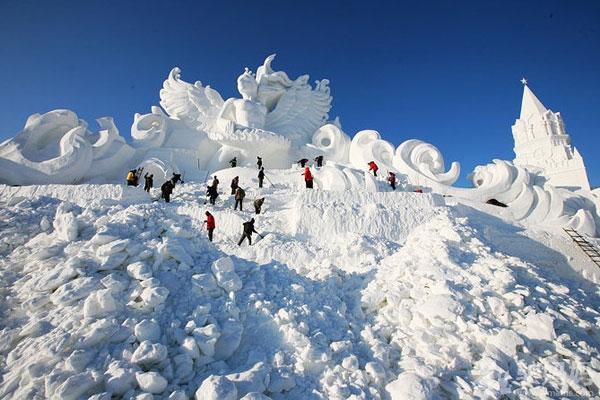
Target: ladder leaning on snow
586 246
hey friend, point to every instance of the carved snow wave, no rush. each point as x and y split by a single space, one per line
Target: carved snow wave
150 129
57 147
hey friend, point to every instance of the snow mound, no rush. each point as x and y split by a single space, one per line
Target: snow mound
346 295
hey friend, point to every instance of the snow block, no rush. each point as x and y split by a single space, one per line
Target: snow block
151 382
408 386
216 387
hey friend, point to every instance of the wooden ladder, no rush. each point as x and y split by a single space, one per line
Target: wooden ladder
586 246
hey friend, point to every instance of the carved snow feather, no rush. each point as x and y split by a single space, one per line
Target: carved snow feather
196 105
300 111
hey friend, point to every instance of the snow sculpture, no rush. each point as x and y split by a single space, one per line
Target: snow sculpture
330 141
57 147
275 117
165 145
424 163
284 120
529 197
541 141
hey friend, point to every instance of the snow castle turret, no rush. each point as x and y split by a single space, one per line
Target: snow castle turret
541 141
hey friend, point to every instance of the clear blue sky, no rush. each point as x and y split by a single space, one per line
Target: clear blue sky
446 72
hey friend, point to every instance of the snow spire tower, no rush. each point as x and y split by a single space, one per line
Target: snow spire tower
541 141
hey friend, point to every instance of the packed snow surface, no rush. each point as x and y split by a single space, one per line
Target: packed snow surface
107 293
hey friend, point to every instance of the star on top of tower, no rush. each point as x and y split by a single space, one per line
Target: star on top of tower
524 81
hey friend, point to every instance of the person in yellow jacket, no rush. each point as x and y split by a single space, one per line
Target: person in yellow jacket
131 178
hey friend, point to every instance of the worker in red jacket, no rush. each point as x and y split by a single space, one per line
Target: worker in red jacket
308 178
373 167
210 225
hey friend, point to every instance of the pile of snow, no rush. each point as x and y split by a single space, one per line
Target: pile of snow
347 294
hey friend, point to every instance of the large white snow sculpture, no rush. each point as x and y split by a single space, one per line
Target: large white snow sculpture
541 140
275 118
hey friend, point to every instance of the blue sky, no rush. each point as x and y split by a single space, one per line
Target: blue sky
444 72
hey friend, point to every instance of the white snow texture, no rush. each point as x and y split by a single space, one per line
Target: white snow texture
348 294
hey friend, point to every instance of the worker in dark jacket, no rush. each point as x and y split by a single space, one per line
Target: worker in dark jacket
261 177
148 182
166 189
247 233
258 204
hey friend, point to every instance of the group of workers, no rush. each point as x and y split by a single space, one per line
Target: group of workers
236 191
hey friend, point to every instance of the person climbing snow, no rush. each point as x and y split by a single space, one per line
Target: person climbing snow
373 167
233 162
210 225
308 179
247 233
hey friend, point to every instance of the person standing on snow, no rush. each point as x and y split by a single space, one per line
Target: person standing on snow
166 189
131 178
258 204
247 233
212 193
373 167
233 162
148 182
258 162
261 177
239 198
319 160
234 184
308 178
392 179
210 225
215 182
